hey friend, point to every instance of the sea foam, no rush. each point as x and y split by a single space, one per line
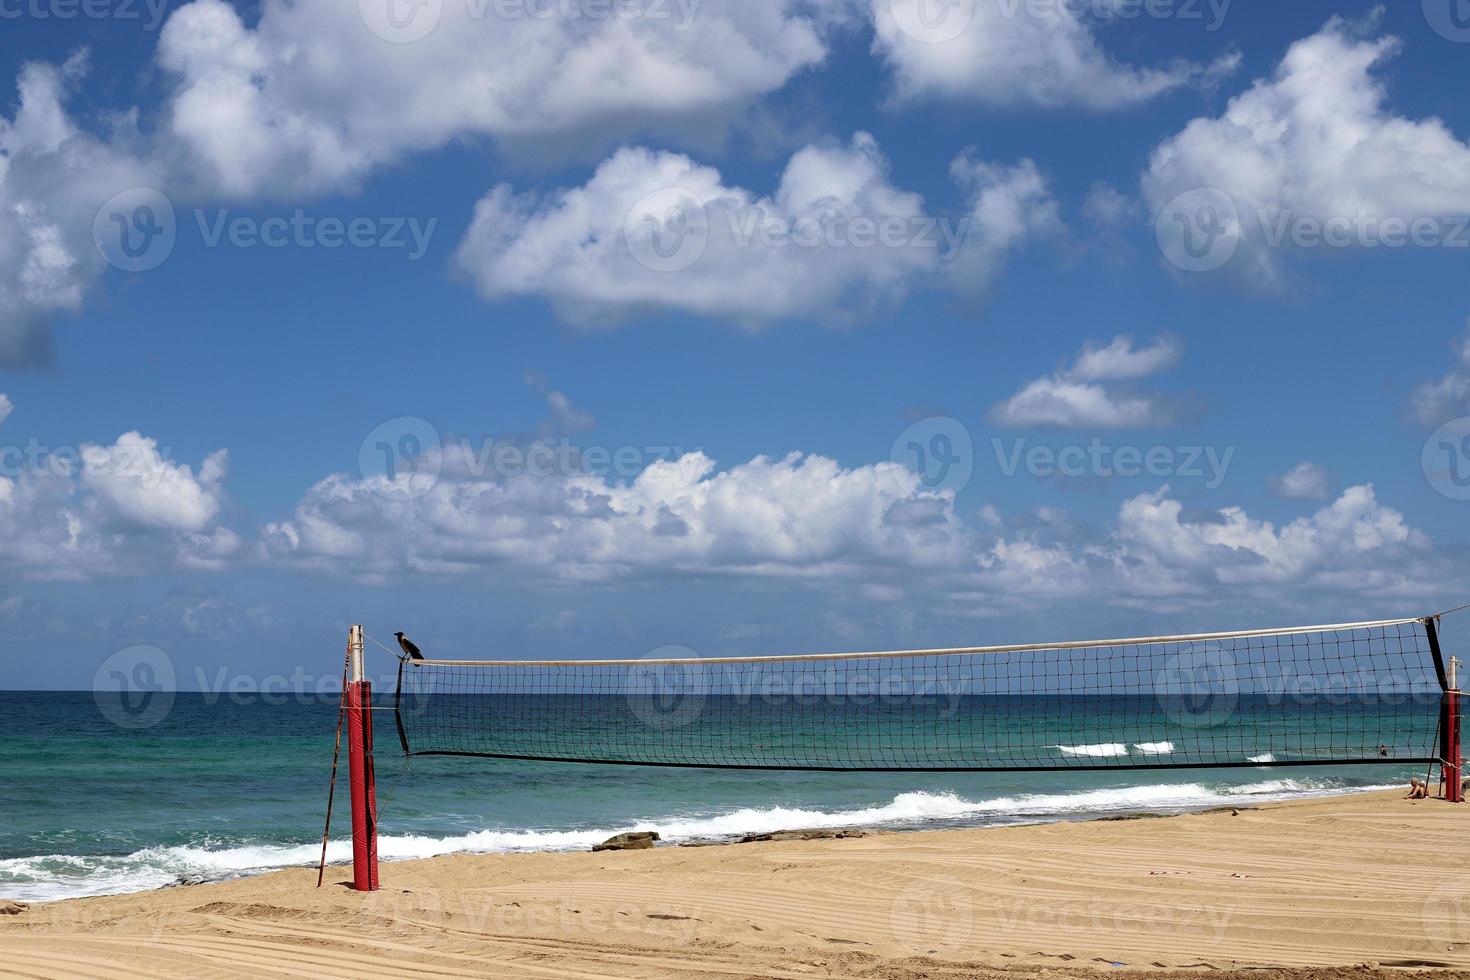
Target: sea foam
50 877
1103 750
1154 748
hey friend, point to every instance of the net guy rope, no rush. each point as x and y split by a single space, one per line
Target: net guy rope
1375 693
336 755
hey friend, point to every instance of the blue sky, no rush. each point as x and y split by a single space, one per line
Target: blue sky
1060 143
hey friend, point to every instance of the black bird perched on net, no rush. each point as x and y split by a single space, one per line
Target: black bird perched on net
409 647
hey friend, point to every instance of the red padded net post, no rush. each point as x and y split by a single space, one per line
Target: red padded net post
360 769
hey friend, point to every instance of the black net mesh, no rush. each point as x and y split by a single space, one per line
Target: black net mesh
1314 697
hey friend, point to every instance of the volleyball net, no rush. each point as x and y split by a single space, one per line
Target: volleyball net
1360 693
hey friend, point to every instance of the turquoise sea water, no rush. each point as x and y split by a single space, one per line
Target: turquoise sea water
216 789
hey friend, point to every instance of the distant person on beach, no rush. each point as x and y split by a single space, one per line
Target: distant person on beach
1383 751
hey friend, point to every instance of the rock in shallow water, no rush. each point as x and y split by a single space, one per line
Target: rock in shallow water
639 841
802 835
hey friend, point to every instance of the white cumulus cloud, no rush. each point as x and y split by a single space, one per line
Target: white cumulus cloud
141 485
1304 481
112 511
1013 53
865 530
314 96
53 179
1436 402
1010 208
1167 549
1312 153
1161 553
1121 360
799 516
1082 396
657 232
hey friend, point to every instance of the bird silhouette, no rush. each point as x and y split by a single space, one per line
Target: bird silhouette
409 647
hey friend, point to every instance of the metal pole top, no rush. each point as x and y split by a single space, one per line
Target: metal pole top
355 673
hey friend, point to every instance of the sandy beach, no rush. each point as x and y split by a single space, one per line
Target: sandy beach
1370 881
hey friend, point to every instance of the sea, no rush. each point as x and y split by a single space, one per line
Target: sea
215 788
